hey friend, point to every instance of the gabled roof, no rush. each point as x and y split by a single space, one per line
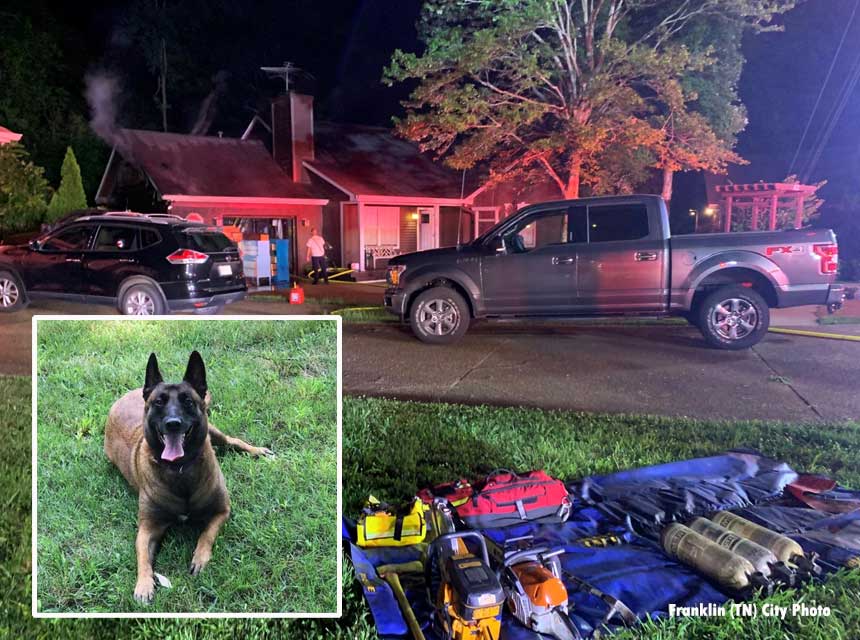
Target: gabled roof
8 136
372 161
180 164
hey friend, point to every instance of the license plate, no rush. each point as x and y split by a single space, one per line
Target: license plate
225 270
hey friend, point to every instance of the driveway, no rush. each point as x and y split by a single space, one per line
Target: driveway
654 369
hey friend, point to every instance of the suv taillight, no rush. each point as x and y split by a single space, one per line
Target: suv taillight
829 256
187 256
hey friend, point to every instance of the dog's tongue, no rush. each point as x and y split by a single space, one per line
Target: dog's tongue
172 447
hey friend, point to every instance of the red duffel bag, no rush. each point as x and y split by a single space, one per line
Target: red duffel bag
505 498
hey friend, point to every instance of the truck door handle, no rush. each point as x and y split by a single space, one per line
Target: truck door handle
645 256
73 260
557 260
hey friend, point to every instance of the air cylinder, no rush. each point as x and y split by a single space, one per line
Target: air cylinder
760 557
781 546
718 563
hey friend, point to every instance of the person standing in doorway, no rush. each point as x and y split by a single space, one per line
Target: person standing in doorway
316 256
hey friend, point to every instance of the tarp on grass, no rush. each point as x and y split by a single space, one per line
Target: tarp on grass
636 572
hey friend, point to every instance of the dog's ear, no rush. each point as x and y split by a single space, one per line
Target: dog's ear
153 376
195 374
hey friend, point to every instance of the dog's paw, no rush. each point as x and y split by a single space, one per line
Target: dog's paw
260 452
199 562
144 590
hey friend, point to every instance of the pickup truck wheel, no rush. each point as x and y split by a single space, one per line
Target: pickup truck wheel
141 300
733 317
11 292
439 316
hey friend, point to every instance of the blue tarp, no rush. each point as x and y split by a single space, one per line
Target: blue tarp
636 572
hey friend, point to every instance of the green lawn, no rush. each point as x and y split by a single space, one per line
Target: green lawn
274 384
391 448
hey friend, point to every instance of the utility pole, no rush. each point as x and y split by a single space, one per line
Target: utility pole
163 85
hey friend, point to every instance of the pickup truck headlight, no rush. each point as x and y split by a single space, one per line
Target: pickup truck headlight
394 272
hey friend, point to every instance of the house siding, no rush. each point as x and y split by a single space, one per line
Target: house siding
351 248
331 215
408 229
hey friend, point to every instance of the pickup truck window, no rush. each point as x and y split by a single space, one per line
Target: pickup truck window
547 228
617 222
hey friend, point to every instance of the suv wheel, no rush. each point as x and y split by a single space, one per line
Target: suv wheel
141 300
11 292
439 315
733 317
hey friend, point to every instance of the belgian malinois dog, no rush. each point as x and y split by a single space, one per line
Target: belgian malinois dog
160 438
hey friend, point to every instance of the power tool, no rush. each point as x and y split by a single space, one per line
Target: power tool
467 594
531 577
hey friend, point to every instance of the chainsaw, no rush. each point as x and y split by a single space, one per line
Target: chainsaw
467 594
536 595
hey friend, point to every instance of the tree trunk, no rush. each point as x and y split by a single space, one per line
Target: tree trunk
572 189
668 174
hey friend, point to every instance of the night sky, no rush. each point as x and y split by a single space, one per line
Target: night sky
345 44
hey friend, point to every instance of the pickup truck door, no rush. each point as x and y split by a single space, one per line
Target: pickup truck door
533 268
623 265
56 266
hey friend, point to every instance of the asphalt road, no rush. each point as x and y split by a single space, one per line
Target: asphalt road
665 370
654 369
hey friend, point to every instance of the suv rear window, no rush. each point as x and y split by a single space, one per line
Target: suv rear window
207 241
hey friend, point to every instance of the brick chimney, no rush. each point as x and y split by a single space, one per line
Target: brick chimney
293 133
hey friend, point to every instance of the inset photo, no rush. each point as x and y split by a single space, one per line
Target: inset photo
186 467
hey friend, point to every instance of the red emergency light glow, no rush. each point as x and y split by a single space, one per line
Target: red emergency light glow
187 256
829 255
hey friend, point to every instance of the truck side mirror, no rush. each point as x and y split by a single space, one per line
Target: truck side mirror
34 245
497 244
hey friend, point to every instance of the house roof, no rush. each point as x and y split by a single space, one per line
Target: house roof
181 164
372 161
8 136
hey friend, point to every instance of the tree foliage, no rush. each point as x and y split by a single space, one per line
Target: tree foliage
41 97
23 190
563 89
69 196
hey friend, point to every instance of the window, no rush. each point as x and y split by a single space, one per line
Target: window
617 222
485 219
149 237
207 240
381 226
73 239
539 230
116 239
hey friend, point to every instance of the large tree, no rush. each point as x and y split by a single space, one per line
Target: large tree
545 89
23 190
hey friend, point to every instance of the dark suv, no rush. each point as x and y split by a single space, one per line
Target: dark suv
143 264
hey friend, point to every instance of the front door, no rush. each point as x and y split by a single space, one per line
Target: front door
533 271
621 268
57 266
427 229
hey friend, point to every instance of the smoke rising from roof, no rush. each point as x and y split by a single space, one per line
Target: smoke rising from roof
102 91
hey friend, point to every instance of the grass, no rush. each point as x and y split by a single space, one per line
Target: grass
391 448
273 383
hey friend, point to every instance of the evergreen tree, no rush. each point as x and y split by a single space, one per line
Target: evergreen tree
23 190
70 195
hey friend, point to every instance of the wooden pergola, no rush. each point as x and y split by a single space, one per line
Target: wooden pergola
763 198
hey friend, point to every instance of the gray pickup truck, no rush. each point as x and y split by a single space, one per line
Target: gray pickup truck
614 256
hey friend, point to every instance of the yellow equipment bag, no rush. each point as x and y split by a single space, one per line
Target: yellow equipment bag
381 525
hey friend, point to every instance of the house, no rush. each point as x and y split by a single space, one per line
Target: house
7 136
227 182
372 194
